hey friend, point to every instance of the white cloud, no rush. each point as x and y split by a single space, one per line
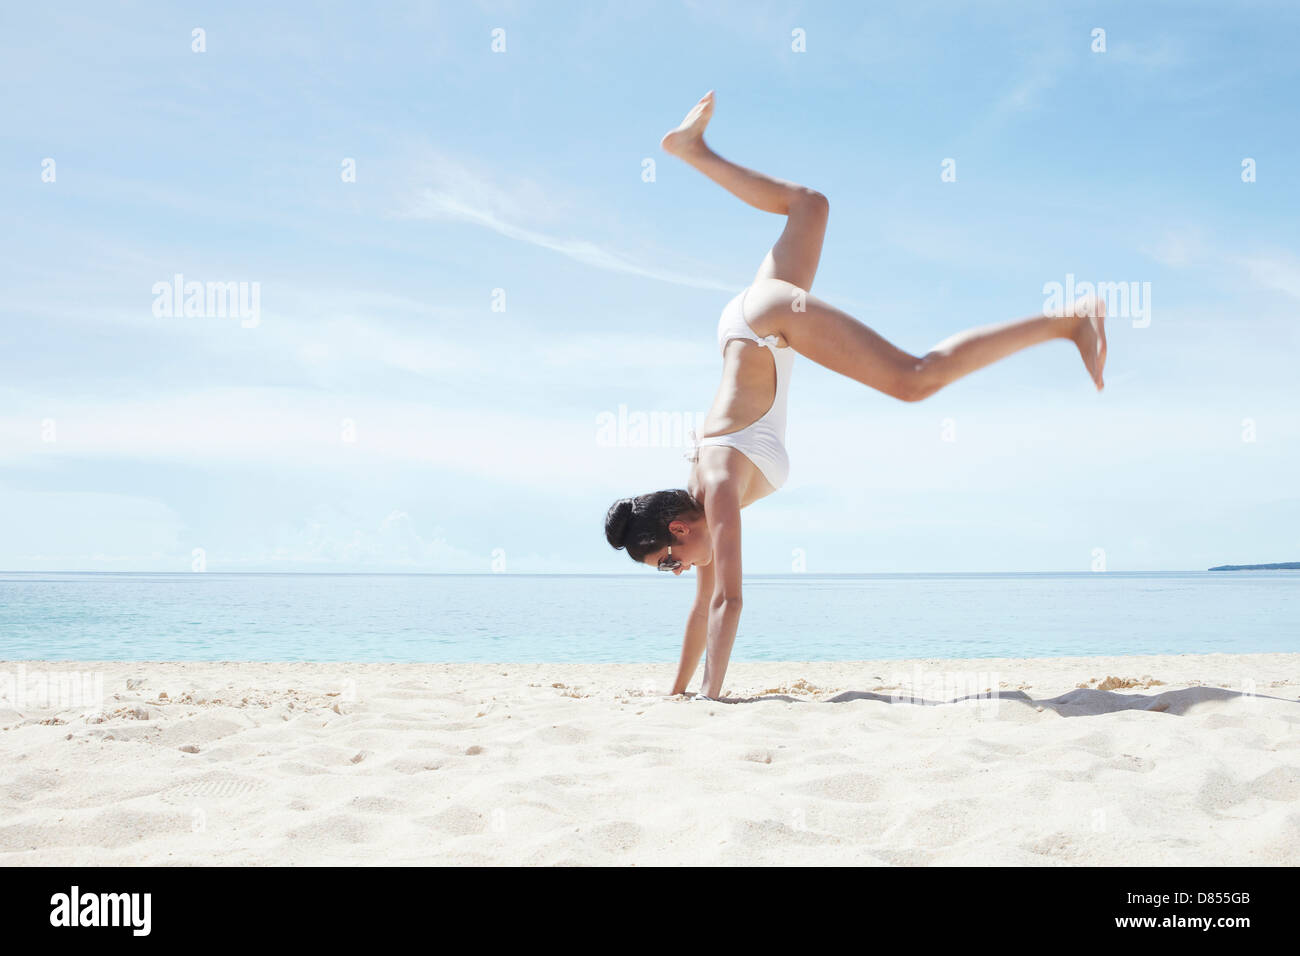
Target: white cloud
1180 248
287 429
462 196
71 529
1267 269
395 544
1277 272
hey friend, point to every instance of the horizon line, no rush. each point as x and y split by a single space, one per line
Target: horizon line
630 574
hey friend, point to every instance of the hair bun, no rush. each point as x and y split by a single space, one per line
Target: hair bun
616 519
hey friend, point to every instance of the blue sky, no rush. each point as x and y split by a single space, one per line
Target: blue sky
129 439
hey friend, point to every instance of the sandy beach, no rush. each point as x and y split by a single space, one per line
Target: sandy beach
1172 760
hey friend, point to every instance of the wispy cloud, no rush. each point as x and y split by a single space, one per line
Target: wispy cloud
1179 249
1279 273
396 544
1025 95
1271 270
462 196
1041 73
286 429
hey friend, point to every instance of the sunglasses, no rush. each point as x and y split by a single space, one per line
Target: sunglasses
668 562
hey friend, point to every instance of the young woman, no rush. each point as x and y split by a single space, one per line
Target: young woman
740 457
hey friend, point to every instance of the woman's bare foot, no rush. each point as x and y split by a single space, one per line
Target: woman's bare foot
689 135
1089 334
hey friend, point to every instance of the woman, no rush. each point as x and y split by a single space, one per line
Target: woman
740 456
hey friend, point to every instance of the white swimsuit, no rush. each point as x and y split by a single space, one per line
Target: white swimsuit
763 442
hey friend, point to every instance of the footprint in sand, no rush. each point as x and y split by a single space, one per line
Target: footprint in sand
212 786
849 787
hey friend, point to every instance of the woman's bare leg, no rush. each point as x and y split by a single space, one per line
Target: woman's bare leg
795 256
780 302
835 339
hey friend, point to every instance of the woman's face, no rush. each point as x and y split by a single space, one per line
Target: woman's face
691 545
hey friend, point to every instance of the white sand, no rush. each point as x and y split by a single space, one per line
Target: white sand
588 764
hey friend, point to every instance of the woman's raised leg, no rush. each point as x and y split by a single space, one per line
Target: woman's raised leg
780 302
833 338
795 256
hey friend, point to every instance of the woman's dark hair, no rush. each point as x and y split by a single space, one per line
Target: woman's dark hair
640 524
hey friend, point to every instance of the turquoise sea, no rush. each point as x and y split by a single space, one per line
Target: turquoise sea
637 617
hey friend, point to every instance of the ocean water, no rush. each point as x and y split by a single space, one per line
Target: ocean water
637 617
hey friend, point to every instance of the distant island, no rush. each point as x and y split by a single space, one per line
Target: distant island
1284 566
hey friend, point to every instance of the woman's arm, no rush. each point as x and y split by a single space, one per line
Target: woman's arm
722 508
697 626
